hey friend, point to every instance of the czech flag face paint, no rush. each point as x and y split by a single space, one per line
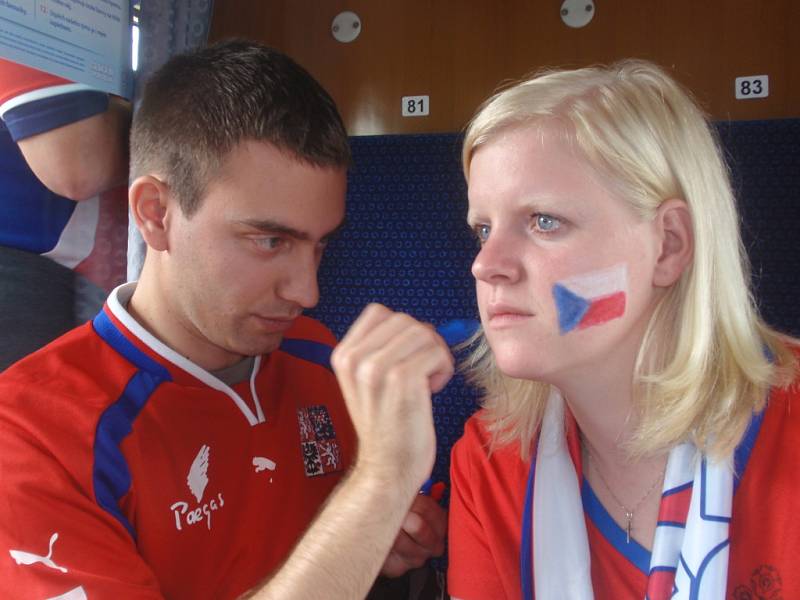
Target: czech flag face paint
591 299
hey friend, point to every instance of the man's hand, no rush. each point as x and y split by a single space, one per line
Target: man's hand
388 365
421 537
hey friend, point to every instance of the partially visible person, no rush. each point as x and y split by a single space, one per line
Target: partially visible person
193 440
63 215
640 434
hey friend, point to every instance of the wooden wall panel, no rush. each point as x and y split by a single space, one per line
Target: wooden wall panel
458 51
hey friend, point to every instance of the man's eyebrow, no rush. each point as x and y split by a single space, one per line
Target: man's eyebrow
270 226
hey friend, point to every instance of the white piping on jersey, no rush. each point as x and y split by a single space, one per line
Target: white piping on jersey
77 239
256 366
119 299
42 93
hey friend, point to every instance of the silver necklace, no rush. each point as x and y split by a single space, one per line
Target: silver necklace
629 512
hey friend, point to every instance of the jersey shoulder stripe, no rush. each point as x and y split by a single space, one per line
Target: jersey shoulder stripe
309 340
111 476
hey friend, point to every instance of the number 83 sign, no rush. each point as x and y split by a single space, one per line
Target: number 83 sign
754 86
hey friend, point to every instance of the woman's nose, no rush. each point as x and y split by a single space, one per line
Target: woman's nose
498 260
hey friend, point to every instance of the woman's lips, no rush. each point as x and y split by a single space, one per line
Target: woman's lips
503 315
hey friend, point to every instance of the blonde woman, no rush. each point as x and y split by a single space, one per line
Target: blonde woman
638 437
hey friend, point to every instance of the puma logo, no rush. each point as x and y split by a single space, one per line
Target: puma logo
262 463
28 558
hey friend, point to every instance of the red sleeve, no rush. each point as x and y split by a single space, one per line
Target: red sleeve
486 502
16 79
55 540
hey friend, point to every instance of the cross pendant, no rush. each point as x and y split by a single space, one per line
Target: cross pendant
629 519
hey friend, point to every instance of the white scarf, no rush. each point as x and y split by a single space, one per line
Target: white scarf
698 554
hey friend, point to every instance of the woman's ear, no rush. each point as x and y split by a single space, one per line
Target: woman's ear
148 197
674 223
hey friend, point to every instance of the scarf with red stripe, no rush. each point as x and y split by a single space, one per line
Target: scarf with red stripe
691 544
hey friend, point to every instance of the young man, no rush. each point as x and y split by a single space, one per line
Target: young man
180 444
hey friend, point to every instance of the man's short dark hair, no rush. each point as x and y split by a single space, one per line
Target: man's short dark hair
199 106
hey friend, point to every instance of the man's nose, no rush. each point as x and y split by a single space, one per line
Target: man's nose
300 285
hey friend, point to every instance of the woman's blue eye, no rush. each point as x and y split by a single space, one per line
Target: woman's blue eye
547 223
482 233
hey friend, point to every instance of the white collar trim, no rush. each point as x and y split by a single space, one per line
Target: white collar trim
118 300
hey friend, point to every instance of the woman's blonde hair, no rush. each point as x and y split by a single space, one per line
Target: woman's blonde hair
707 359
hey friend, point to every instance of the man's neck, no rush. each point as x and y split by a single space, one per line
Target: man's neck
236 373
155 313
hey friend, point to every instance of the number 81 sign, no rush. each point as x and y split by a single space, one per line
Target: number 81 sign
754 86
415 106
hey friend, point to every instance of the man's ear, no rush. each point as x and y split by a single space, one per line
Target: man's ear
148 197
674 224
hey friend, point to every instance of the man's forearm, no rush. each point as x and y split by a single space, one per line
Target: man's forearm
342 552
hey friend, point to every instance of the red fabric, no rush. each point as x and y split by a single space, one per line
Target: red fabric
16 79
488 494
613 576
676 510
106 266
247 518
487 499
765 532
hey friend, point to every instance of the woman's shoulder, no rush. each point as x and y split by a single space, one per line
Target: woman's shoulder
480 445
476 439
781 411
475 428
782 407
778 425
